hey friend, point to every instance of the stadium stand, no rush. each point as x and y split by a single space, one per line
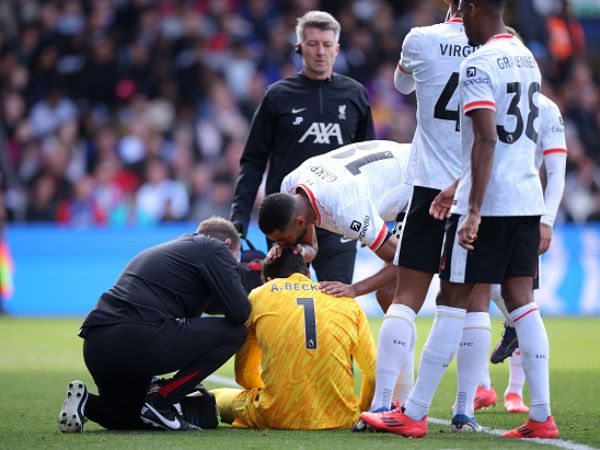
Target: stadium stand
135 111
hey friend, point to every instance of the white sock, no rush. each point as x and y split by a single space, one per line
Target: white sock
393 347
485 380
471 359
439 350
406 379
516 374
533 344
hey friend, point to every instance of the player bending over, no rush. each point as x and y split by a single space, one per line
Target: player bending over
351 191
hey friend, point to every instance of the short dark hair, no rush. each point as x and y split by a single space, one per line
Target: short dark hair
284 266
221 229
276 212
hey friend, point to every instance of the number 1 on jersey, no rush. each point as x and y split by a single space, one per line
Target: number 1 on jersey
310 322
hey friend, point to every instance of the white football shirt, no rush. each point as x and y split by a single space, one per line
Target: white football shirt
503 76
355 189
432 56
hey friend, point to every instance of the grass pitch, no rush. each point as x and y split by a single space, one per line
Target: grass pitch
38 357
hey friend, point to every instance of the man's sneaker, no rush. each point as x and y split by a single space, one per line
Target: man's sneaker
462 423
513 403
533 429
71 415
396 422
485 398
161 414
506 346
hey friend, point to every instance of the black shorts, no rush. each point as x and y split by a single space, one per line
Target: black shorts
420 242
506 247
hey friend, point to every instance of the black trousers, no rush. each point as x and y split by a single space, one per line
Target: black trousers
335 258
122 359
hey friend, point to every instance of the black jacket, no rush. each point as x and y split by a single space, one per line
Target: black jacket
177 279
298 118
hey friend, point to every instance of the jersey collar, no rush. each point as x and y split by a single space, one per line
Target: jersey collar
455 20
499 36
312 200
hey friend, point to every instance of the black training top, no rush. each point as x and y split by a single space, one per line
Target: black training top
299 118
176 279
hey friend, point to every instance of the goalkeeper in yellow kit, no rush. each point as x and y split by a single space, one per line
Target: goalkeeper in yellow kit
304 340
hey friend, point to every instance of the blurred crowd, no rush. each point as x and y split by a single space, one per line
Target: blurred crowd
129 112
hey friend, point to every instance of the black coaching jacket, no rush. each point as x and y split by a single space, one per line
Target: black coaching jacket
298 118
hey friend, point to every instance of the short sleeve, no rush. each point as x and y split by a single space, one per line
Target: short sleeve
288 185
553 132
361 221
477 91
411 54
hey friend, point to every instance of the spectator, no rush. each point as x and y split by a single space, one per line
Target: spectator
48 114
566 41
81 210
160 198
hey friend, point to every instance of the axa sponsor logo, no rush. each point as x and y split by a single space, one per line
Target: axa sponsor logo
323 133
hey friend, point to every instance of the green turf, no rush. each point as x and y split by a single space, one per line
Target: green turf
39 356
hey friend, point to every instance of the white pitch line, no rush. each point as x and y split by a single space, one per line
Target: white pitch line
560 443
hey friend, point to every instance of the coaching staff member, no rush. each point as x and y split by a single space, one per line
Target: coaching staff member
306 114
149 323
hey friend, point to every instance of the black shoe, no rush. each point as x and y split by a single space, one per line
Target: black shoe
506 346
70 417
161 414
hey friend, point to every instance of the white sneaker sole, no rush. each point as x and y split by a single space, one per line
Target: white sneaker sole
71 416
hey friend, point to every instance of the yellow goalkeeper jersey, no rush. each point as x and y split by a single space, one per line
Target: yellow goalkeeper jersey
304 340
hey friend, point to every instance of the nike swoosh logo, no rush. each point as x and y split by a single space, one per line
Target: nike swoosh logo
296 111
173 424
344 239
